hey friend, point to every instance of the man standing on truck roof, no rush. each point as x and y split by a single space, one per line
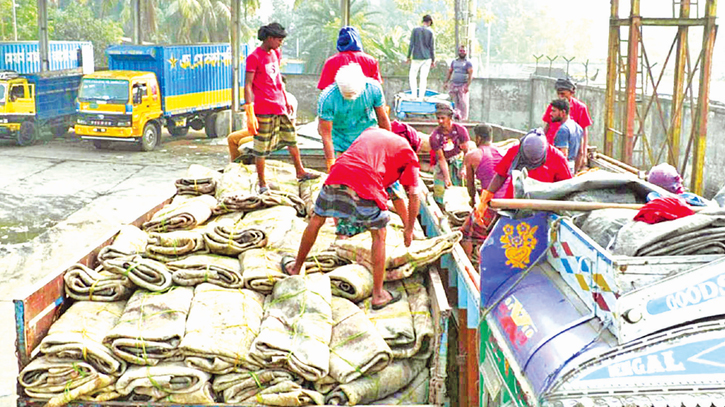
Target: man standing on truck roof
422 51
346 108
449 142
578 111
267 108
569 136
479 164
350 49
355 193
543 162
459 80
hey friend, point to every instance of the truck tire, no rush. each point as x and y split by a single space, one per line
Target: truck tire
210 125
101 144
222 122
178 131
60 130
150 137
28 134
197 124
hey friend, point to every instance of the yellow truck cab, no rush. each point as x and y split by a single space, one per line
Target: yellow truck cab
120 105
149 87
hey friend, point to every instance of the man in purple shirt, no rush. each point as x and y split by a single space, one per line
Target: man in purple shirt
449 141
479 164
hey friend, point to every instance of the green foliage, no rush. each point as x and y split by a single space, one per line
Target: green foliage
77 22
27 20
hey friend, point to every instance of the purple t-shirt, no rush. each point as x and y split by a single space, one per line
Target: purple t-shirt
485 171
451 142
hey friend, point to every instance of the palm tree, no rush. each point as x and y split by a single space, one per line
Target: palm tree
203 20
320 25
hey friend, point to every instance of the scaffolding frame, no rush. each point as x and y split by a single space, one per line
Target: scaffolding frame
629 73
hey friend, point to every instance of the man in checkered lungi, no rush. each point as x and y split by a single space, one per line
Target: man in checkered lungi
267 108
355 193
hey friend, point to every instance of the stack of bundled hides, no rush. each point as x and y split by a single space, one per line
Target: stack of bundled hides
194 308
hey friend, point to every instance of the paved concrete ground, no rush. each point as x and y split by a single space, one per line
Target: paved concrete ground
59 198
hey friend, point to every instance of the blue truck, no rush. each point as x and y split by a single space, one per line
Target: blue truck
23 57
32 102
152 86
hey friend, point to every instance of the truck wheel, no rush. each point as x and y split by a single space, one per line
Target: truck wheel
101 144
27 134
178 131
197 124
210 125
59 131
222 122
150 137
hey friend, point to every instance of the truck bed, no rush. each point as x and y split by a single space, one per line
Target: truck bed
192 77
43 303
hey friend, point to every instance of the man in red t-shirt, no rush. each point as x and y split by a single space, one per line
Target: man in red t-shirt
267 108
355 193
578 111
543 162
350 49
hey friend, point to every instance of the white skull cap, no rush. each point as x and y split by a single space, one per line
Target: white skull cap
350 80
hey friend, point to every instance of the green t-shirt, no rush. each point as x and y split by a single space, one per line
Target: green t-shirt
350 117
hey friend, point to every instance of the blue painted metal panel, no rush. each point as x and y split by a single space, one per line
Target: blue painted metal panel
23 57
511 247
55 96
543 329
191 77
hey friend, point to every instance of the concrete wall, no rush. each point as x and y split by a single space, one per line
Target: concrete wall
520 104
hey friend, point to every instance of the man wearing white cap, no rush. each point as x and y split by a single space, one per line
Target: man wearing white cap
346 108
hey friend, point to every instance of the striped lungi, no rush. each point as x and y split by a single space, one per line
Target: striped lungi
276 131
355 214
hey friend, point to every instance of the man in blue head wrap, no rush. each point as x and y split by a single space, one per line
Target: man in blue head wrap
350 49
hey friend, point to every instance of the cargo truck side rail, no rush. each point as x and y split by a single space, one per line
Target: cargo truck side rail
43 303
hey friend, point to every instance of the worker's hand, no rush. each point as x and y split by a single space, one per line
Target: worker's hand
252 123
407 61
329 162
482 206
465 88
432 63
408 235
448 182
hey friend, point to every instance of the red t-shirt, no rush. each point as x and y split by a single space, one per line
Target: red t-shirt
578 111
554 169
368 64
267 83
374 162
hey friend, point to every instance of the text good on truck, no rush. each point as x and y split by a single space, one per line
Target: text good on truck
24 56
149 87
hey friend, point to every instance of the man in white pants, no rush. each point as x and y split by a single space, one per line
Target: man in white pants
422 51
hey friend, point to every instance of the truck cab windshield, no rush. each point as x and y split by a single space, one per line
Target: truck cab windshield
109 90
3 93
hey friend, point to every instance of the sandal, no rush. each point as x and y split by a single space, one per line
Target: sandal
395 297
308 176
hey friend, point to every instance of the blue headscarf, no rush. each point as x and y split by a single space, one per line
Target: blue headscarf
349 40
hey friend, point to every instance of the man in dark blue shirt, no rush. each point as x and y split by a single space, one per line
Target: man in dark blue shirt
422 51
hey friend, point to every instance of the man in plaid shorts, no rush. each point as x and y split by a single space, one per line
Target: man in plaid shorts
267 108
355 193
